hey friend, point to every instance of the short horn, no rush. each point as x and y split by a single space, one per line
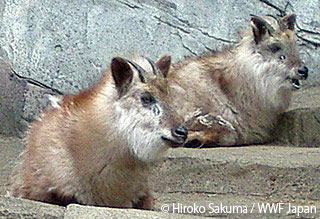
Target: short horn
279 21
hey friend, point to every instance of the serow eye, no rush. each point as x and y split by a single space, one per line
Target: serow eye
147 99
274 48
282 57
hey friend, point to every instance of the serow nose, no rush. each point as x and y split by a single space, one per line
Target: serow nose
303 71
180 133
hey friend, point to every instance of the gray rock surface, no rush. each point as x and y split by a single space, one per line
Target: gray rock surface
20 208
48 47
300 125
21 100
84 212
239 176
51 45
65 45
203 182
11 101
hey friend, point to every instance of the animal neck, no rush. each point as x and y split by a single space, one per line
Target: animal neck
251 81
93 123
102 147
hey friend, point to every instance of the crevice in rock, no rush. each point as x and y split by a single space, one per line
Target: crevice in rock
202 31
214 37
184 46
131 6
36 83
188 32
316 118
311 42
282 12
167 4
306 31
171 25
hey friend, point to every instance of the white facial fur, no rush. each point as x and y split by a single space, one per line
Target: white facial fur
140 129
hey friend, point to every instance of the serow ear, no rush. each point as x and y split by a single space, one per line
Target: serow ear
163 64
122 74
260 28
289 21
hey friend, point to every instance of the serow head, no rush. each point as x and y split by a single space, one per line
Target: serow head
145 117
275 40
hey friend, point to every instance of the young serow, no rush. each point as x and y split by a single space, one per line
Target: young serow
235 96
96 147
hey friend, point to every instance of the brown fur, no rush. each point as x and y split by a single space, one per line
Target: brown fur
96 147
239 92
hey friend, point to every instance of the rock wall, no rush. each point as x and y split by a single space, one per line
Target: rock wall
50 47
54 45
